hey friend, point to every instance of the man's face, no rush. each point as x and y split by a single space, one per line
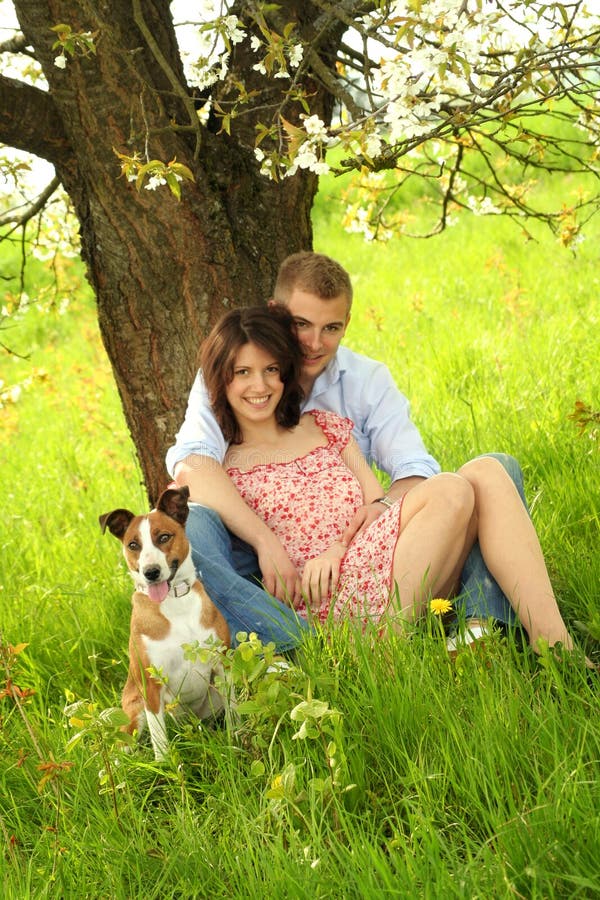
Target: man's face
320 325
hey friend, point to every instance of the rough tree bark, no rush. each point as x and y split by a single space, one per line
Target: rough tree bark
162 270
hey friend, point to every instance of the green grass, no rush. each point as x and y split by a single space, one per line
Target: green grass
474 779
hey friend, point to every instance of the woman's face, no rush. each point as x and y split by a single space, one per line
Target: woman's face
256 387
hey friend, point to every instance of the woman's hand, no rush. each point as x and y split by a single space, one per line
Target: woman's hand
321 575
279 574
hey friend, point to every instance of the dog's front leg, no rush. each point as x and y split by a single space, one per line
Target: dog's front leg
158 732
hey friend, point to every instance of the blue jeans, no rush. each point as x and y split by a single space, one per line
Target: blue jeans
480 595
229 569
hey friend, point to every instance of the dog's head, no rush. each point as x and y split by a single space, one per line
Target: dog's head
154 545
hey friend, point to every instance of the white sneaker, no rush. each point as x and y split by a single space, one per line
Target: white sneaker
474 632
279 665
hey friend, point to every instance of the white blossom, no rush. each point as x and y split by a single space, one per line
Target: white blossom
154 181
308 158
373 145
267 168
314 126
61 61
295 55
233 30
482 206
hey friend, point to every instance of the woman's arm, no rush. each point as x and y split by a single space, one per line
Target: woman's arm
358 465
210 485
322 573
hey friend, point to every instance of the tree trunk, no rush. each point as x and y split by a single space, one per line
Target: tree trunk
163 270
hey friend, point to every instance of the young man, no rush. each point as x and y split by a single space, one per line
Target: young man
232 548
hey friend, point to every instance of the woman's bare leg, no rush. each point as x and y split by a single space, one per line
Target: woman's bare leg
436 534
512 552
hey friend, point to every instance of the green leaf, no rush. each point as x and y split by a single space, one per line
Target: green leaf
173 184
114 716
258 768
309 709
248 708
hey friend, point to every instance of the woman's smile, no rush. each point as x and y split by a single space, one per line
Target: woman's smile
256 387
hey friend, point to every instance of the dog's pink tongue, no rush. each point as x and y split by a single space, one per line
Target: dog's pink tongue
158 592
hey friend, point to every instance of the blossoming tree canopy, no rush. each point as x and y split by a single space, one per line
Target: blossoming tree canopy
189 138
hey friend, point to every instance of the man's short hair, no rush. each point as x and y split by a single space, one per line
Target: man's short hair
313 273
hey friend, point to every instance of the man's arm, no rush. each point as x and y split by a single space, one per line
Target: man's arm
211 486
401 487
367 514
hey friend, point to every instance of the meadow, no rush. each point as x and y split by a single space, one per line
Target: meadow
369 768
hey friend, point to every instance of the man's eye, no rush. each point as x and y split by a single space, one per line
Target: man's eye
300 324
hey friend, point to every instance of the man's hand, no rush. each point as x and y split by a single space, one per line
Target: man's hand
362 518
321 575
279 574
366 515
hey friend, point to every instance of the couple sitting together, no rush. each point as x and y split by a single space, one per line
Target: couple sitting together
288 523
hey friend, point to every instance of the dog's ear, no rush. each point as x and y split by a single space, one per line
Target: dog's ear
116 521
174 503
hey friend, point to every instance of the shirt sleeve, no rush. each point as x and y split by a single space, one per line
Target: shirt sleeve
396 447
200 433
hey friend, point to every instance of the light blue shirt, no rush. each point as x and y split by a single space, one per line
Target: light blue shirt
353 386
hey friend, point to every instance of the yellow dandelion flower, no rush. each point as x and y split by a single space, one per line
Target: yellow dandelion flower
440 606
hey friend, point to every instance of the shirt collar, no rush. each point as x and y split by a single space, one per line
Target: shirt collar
329 376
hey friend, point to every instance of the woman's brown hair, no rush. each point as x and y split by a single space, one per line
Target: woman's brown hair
270 328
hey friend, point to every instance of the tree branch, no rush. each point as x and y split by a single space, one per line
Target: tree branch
29 121
178 88
16 44
32 209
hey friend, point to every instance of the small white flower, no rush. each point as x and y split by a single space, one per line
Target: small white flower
373 145
204 112
233 30
154 181
258 153
295 54
61 61
255 43
314 126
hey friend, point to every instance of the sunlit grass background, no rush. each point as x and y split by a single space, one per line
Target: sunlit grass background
479 779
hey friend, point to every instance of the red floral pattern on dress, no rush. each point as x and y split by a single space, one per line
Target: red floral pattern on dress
308 502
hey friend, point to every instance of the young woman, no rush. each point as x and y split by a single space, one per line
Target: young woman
305 477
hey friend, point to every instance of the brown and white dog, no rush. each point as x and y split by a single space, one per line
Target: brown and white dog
170 608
